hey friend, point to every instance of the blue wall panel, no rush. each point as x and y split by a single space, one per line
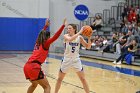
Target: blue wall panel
19 33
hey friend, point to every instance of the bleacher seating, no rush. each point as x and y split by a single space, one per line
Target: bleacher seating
111 23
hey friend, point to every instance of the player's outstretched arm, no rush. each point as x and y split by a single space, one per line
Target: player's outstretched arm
56 35
86 44
68 38
47 23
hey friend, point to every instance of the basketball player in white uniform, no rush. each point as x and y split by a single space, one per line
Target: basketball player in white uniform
72 41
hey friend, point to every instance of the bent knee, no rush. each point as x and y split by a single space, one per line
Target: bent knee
48 87
34 85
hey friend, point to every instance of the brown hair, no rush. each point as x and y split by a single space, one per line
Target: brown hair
43 35
74 27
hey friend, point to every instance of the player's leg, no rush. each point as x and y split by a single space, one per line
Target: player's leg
32 87
45 85
81 76
79 68
65 65
42 80
59 81
29 75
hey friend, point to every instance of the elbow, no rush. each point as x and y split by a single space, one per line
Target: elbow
88 47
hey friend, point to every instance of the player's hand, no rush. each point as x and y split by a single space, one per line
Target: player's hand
47 22
65 21
82 29
90 35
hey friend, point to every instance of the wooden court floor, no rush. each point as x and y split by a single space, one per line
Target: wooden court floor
102 76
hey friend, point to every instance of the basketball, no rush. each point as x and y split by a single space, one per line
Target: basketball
87 31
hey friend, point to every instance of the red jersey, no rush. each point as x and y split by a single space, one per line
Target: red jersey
132 17
39 54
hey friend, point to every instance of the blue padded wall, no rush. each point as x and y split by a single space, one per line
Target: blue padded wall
19 33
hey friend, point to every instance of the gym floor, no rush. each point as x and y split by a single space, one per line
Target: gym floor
102 76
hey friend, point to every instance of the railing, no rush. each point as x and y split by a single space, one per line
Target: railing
90 20
120 9
106 16
78 27
109 16
112 23
114 12
133 2
82 23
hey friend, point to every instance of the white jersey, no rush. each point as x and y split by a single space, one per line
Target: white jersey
71 56
72 48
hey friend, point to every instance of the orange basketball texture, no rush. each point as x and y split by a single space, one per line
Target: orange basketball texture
87 31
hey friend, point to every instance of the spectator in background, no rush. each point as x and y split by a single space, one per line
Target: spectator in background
131 49
125 12
121 43
132 16
105 41
97 37
130 38
135 30
111 44
96 45
137 10
130 8
125 25
98 42
97 23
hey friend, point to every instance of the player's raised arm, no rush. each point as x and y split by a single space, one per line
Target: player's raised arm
70 38
86 44
47 23
56 35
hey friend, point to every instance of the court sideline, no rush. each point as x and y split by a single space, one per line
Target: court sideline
102 76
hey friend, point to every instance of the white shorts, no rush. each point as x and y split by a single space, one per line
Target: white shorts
68 63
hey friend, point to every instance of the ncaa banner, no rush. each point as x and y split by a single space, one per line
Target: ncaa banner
81 12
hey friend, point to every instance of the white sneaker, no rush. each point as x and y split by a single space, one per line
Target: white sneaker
114 62
119 66
119 63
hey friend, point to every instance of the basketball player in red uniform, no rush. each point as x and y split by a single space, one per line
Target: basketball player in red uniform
32 69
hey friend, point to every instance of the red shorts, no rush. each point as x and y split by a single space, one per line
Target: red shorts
33 71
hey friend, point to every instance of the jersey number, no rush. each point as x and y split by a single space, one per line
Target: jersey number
36 47
73 49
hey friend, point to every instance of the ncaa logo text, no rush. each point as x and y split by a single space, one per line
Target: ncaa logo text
81 12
